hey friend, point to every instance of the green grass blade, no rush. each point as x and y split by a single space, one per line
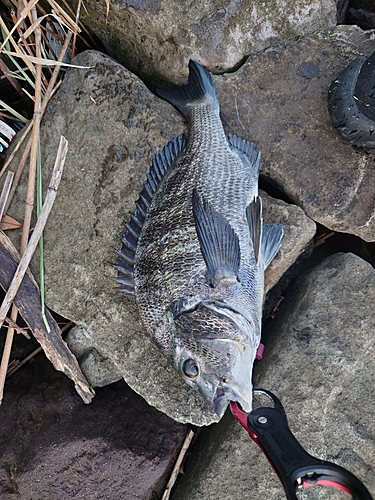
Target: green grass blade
39 204
14 112
21 70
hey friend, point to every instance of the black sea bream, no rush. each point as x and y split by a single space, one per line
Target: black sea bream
195 250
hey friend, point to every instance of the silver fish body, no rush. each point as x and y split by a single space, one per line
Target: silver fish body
195 250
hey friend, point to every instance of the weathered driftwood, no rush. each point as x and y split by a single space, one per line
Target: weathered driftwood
29 305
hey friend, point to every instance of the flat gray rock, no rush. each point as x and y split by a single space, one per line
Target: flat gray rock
279 100
115 126
156 38
320 362
96 367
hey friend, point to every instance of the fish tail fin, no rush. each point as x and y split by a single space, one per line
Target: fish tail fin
199 89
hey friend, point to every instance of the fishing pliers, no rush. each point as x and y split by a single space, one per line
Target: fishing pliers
296 469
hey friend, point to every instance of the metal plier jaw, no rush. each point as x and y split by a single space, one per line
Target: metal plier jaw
296 468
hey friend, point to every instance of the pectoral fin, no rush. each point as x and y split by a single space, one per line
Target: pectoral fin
219 243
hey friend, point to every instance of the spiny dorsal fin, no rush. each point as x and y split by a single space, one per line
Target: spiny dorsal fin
200 88
161 163
255 221
247 149
272 235
219 243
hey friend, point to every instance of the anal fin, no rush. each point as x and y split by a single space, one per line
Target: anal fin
272 235
255 221
219 243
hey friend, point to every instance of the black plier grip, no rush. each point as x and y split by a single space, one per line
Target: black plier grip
296 468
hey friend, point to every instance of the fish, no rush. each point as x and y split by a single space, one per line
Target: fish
195 250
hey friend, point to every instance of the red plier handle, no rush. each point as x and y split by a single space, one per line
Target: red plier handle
296 468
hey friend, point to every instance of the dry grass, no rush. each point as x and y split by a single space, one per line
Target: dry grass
31 36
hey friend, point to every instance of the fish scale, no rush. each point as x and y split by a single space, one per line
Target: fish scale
195 250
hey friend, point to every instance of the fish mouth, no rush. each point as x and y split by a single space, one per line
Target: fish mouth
225 394
220 404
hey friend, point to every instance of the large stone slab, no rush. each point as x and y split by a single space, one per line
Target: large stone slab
53 447
156 38
114 126
320 362
279 99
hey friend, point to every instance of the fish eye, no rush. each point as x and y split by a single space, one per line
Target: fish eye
190 368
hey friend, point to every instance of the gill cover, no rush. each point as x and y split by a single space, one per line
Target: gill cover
213 356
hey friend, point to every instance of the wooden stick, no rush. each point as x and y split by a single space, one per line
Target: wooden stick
56 71
5 193
27 46
34 143
50 90
176 468
10 333
75 33
14 43
14 369
18 174
39 226
20 364
18 329
4 68
322 239
13 153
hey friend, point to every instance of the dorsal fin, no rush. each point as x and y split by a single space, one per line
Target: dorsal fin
247 149
161 163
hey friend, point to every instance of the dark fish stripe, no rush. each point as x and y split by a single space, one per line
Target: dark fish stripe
255 221
141 207
126 255
128 244
133 229
364 89
126 282
136 220
125 273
